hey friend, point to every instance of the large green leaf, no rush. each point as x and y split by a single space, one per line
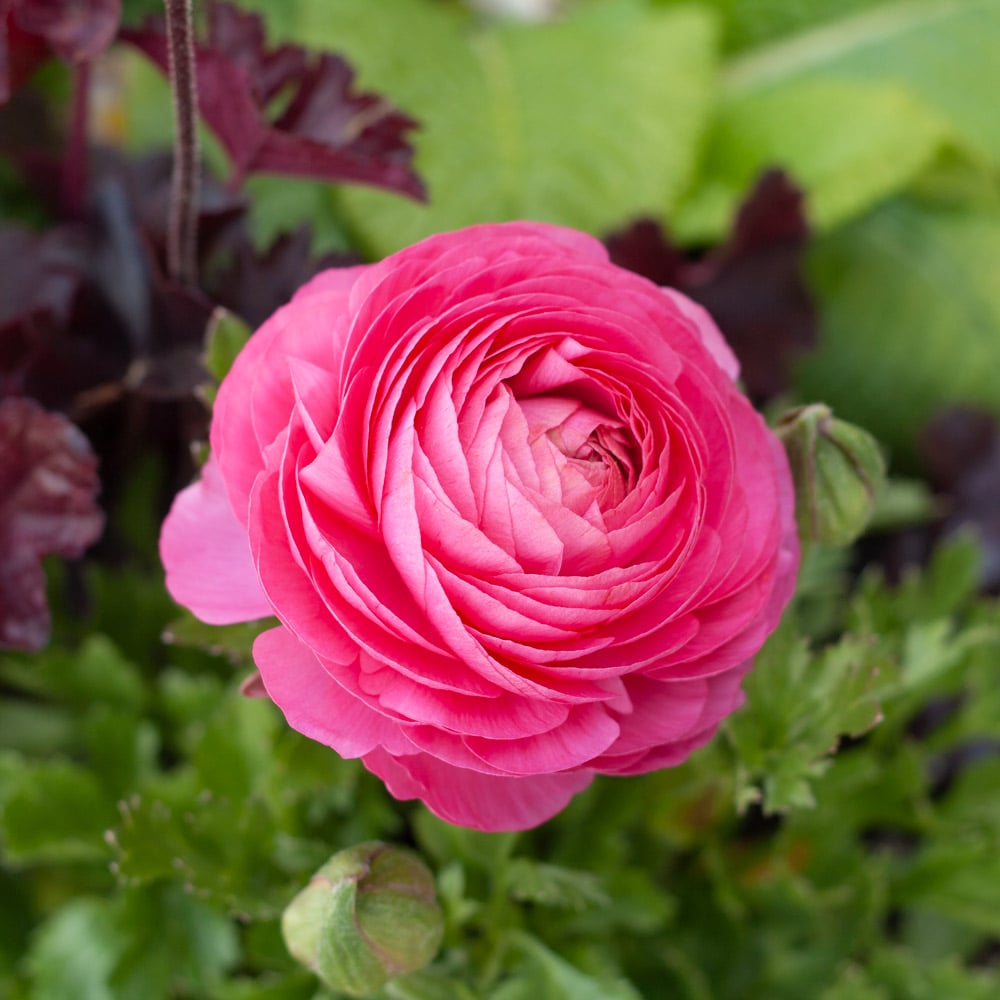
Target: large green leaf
944 51
749 23
847 144
911 318
583 122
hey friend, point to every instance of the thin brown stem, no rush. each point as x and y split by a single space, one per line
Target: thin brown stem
182 246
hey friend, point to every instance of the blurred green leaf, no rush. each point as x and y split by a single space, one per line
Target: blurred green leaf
943 51
56 812
583 122
444 842
174 945
848 144
96 672
910 310
530 881
235 642
547 975
74 952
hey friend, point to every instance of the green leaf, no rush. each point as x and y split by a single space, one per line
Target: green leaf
848 144
225 336
583 122
97 672
910 310
547 976
122 749
56 812
748 23
74 952
235 642
173 944
445 842
530 881
943 51
798 707
234 751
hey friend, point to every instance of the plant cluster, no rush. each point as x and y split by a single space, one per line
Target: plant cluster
823 177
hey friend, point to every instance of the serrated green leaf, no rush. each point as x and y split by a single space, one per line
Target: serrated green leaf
56 812
848 145
798 707
531 881
910 312
583 122
227 851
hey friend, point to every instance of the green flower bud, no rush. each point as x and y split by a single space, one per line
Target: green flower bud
368 915
838 470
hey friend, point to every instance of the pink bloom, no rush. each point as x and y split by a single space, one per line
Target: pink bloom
517 522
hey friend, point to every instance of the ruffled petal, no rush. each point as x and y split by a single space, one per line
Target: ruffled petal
206 553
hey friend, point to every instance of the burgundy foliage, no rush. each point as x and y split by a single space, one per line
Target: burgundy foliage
257 283
752 285
48 482
31 30
961 448
325 129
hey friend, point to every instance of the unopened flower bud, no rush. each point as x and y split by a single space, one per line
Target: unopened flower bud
368 915
838 470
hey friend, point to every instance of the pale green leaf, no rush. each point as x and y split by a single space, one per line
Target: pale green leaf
943 51
847 144
583 122
74 952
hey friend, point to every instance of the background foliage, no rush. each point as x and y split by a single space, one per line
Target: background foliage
840 839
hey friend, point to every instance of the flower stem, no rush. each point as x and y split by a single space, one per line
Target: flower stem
74 167
182 249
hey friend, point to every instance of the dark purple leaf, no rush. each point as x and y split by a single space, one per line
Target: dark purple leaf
258 283
30 30
48 484
85 309
326 130
752 285
76 30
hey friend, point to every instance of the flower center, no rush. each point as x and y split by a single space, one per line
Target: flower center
608 461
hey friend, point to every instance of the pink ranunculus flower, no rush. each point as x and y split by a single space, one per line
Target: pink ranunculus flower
519 525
